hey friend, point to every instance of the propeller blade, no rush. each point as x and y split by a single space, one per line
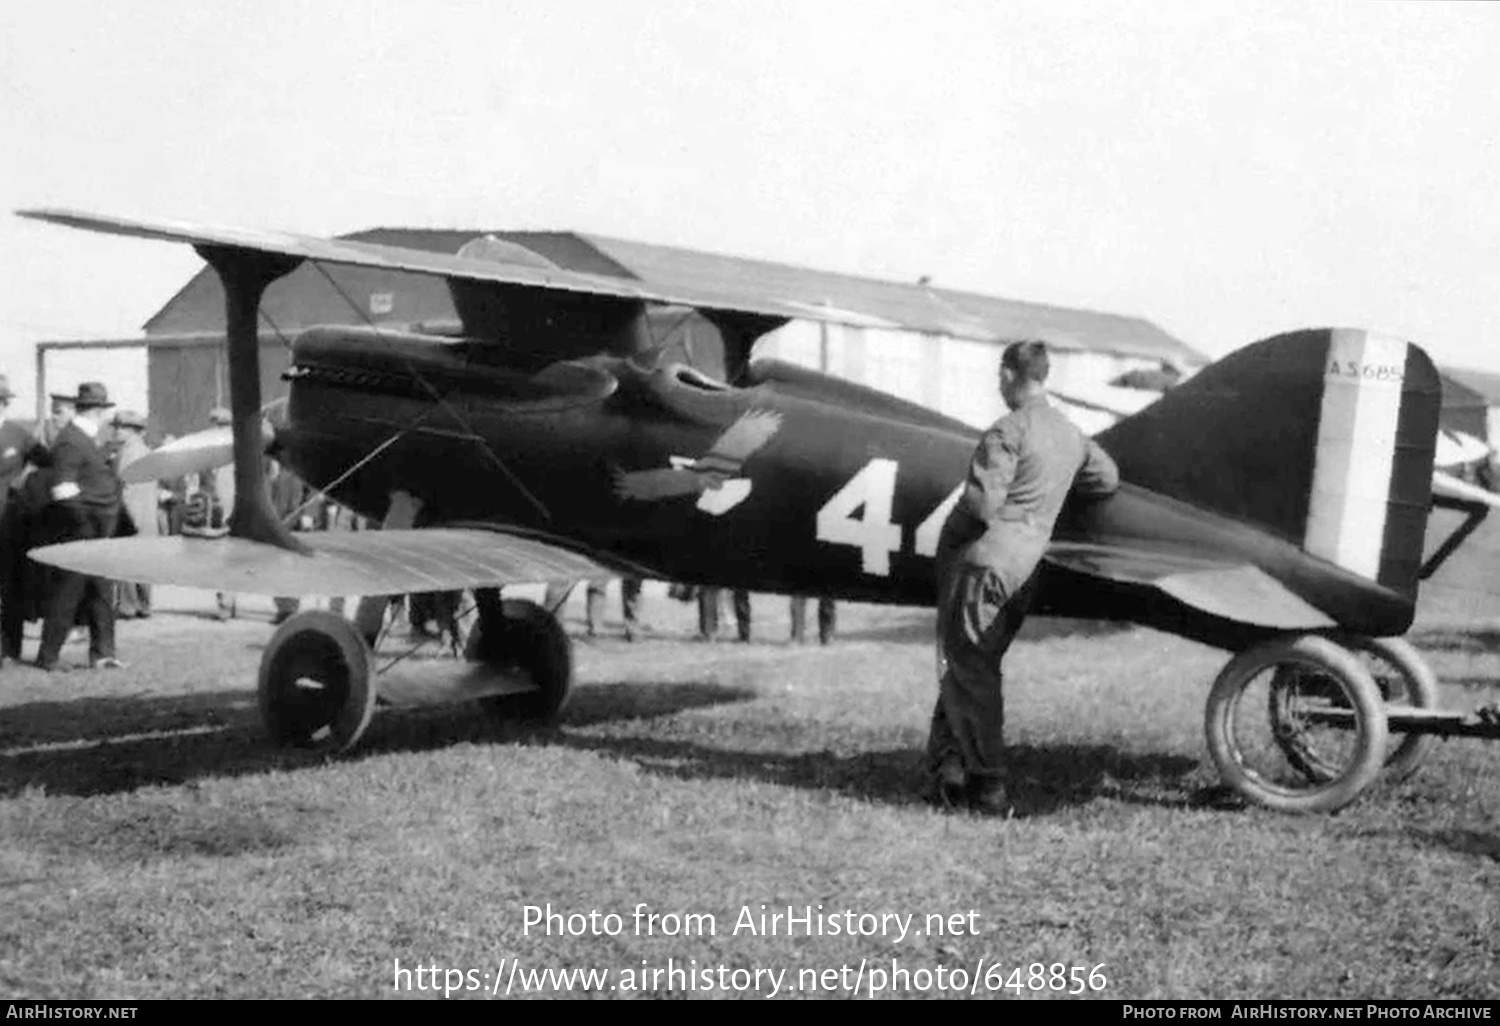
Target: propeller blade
191 454
202 450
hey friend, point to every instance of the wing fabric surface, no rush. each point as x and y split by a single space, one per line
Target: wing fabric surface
400 258
1235 591
342 563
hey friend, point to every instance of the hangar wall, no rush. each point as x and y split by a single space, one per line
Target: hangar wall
189 376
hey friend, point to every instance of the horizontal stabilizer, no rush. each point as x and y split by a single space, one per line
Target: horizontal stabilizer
341 563
1239 592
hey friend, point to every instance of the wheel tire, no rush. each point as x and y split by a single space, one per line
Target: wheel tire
1417 686
1421 691
531 639
1331 663
314 684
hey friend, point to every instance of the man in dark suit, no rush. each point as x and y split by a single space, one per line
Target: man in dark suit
19 448
86 495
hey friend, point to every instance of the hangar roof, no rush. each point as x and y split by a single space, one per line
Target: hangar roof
311 295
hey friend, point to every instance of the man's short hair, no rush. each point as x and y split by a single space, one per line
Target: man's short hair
1027 360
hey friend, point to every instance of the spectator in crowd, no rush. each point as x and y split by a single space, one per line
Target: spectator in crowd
20 451
133 600
630 603
86 495
290 499
334 517
708 613
827 619
174 498
216 487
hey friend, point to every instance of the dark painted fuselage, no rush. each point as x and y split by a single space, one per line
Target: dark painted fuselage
796 484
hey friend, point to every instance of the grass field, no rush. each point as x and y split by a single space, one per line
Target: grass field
152 845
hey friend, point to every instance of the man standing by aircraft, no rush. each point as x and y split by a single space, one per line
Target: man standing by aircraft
988 553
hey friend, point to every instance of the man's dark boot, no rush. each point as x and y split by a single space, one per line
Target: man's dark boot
988 796
949 788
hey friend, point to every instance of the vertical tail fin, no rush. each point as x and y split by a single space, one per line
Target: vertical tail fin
1323 437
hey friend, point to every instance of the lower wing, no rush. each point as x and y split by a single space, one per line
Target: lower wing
1235 591
340 563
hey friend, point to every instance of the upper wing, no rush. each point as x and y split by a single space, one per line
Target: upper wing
399 258
341 563
1235 591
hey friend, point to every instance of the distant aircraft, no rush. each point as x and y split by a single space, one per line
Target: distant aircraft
1274 505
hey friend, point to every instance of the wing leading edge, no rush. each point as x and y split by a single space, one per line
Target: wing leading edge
341 563
1234 591
400 258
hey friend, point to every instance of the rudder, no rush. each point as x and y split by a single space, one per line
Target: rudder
1323 437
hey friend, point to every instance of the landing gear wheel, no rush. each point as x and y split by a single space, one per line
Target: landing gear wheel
1401 675
1264 732
314 684
527 637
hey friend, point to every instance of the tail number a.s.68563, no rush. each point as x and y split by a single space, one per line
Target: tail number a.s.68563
859 514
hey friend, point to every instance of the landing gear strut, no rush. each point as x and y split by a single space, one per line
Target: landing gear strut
515 636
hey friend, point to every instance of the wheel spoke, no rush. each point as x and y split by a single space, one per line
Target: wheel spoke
1271 730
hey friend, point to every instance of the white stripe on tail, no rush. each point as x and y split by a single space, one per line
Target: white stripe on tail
1356 446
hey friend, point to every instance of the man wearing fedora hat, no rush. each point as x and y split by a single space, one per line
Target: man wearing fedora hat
19 449
86 495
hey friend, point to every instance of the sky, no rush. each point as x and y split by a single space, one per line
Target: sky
1226 170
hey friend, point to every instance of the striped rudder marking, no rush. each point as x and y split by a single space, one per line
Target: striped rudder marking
1322 437
1356 450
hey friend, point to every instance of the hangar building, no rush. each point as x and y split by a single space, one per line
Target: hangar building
944 357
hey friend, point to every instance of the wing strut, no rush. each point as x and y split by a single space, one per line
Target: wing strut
245 275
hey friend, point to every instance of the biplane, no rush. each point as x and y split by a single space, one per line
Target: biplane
1274 505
